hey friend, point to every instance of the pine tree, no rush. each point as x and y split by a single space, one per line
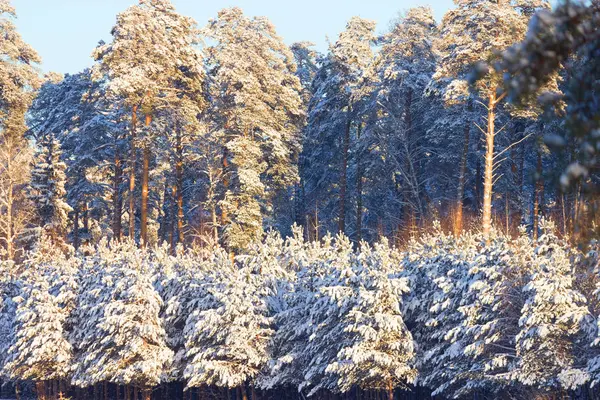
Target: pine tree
329 299
307 67
256 108
331 119
161 43
437 266
570 31
118 334
470 34
491 308
40 350
378 351
553 319
391 151
228 333
19 79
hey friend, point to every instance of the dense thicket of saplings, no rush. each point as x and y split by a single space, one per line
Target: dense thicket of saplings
513 318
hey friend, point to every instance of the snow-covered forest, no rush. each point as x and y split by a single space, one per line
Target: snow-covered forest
209 212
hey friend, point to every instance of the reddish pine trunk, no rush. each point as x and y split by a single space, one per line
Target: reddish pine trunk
224 215
488 183
40 388
61 389
132 164
117 199
179 183
213 218
145 189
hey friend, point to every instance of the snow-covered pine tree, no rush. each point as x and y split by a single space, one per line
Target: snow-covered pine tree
47 189
437 266
470 34
332 123
118 333
378 350
589 284
162 45
306 58
40 350
328 299
491 308
228 333
290 308
256 110
10 287
19 79
553 320
181 281
391 151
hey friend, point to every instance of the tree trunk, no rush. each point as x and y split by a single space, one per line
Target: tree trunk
145 188
359 190
215 225
40 388
488 184
61 389
17 391
86 220
344 177
179 183
537 194
173 220
76 228
224 215
462 177
411 177
147 394
132 165
507 212
10 250
117 199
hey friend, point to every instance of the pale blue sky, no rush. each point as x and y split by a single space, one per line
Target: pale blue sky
65 32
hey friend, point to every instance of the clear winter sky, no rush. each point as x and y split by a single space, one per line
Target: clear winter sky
65 32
